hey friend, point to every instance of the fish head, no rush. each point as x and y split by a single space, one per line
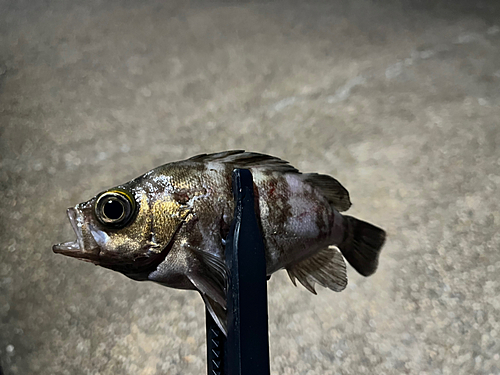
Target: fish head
128 228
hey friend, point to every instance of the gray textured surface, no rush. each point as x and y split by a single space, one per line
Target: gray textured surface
399 103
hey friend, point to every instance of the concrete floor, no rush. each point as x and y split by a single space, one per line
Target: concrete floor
398 101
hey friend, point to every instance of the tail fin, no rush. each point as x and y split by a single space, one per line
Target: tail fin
362 245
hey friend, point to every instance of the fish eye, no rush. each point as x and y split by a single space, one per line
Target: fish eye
115 208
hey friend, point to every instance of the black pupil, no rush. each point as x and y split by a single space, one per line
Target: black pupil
113 209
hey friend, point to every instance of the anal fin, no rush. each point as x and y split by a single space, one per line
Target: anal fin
326 268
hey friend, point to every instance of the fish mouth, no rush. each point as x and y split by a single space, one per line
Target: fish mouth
76 248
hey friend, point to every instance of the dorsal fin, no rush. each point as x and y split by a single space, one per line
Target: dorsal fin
334 192
326 268
242 159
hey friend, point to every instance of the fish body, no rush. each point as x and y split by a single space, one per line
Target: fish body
170 224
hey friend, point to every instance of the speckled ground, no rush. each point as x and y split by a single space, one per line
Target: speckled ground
398 101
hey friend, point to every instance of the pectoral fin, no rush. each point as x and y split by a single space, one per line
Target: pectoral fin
326 268
209 276
219 314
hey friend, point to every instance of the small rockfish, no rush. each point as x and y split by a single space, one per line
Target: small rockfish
170 225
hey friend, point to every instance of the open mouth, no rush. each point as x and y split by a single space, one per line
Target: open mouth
76 248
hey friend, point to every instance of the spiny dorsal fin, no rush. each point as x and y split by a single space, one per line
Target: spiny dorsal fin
334 192
242 159
326 268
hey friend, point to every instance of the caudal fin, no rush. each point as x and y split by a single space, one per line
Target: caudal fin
362 245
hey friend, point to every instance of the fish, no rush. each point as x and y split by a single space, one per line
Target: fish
169 226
